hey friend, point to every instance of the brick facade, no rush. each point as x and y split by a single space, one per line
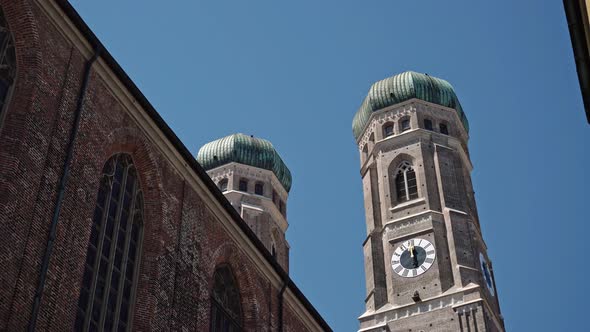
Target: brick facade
186 232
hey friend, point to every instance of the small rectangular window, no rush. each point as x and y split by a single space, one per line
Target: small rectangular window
443 129
259 189
427 124
243 185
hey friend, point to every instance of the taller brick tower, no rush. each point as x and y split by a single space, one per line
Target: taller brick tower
256 181
426 262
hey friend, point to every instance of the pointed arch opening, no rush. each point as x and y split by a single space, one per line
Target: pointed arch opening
406 187
112 257
226 311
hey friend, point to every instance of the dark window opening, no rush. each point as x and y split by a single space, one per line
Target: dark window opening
226 313
112 255
388 130
259 189
243 185
7 63
405 125
427 124
223 185
443 129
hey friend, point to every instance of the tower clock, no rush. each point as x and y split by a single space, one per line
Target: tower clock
426 262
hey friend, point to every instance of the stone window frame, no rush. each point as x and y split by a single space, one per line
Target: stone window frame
7 64
226 309
114 250
405 170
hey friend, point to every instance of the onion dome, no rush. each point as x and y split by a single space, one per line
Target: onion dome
402 87
247 150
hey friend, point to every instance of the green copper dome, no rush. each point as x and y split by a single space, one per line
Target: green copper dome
402 87
246 150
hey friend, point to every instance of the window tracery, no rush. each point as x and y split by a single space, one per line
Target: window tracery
112 257
7 63
226 313
405 182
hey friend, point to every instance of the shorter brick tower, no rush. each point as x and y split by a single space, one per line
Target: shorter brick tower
256 181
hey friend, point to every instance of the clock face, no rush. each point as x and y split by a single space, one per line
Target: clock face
487 276
413 257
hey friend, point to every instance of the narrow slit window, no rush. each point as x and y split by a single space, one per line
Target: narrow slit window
112 256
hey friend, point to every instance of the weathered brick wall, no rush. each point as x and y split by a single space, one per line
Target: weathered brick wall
183 240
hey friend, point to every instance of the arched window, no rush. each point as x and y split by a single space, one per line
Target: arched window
259 188
444 129
387 129
7 63
404 125
226 313
112 257
405 182
243 185
222 185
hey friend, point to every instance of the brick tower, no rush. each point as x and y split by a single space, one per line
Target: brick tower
256 181
426 262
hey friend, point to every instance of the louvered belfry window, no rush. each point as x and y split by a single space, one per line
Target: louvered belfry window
7 62
112 257
405 182
226 315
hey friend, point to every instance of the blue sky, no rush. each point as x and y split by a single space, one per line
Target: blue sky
295 73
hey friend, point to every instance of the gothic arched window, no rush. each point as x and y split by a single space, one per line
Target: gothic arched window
405 182
112 257
223 185
226 313
7 63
